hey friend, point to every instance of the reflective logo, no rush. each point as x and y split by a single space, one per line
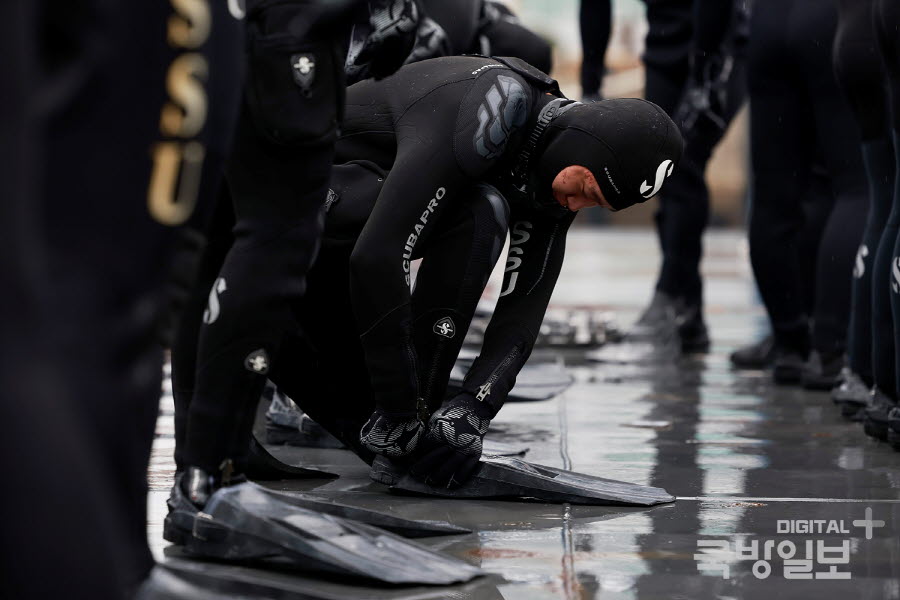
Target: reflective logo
895 275
212 306
445 327
257 362
664 169
418 229
502 111
859 269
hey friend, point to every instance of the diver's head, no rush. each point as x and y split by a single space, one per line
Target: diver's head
613 153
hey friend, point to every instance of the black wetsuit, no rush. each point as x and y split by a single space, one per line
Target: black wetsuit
796 111
422 144
683 38
595 25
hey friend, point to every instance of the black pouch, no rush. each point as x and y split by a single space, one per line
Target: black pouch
295 87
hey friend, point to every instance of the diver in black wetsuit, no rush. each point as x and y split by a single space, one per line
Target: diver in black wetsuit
437 162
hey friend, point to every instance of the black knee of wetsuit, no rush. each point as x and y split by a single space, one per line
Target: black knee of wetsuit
861 75
278 176
797 108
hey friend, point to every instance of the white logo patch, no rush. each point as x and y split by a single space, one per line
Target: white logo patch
513 261
212 306
664 169
445 327
257 362
860 268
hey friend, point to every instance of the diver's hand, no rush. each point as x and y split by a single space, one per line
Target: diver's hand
449 454
393 24
702 110
393 436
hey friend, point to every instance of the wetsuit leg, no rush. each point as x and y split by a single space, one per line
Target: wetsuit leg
511 38
324 371
457 264
595 22
781 133
860 73
278 176
839 141
886 279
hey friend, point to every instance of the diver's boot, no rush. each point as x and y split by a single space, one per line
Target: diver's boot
787 367
692 330
192 490
662 311
893 434
876 415
822 371
760 355
852 395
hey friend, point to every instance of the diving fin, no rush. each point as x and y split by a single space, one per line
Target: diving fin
405 527
491 447
262 466
500 477
246 522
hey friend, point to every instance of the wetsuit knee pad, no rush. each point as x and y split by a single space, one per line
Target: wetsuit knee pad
491 212
294 88
354 189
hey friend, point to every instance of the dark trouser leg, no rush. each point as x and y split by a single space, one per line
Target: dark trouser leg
781 138
458 262
595 22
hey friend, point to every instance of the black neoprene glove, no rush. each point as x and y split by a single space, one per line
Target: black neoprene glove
450 453
702 109
393 436
431 42
390 37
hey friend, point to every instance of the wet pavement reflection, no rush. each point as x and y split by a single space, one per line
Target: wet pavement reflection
751 463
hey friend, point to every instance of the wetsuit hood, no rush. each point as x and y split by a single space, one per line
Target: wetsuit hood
630 146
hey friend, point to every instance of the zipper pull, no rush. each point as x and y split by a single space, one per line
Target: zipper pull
483 392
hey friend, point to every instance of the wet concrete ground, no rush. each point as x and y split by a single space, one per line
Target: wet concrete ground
743 457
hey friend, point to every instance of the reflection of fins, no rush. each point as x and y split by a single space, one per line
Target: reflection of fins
490 447
400 526
536 381
262 466
245 522
178 579
511 477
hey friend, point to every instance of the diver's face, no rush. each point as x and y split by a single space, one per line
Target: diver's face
575 188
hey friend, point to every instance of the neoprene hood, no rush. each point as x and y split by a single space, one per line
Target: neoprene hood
630 146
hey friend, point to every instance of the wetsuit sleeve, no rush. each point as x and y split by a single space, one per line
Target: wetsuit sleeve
535 258
437 159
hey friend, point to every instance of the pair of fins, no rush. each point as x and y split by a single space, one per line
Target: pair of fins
249 523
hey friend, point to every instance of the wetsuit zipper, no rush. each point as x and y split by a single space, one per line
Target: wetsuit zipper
485 390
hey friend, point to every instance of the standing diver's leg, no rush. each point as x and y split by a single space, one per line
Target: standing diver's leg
781 141
838 138
278 176
886 277
595 24
860 73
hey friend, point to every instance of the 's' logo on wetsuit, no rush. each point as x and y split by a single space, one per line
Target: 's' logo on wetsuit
445 327
503 110
304 69
664 169
417 230
212 306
